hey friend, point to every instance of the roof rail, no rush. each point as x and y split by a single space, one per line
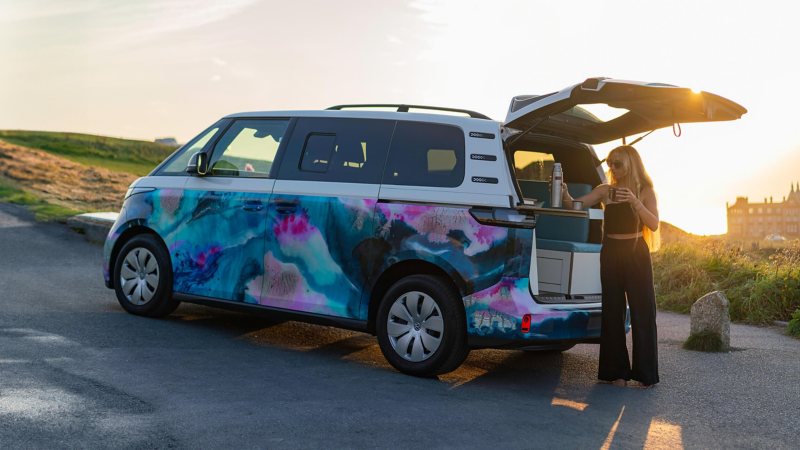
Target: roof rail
404 108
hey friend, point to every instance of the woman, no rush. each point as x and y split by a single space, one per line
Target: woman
629 233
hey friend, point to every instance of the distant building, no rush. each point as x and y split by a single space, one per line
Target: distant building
757 220
167 141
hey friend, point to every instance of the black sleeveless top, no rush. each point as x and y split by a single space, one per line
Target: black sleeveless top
620 218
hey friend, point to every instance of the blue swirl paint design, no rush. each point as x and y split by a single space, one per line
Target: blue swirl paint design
324 254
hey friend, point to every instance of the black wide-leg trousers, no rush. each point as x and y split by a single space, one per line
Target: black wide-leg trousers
626 271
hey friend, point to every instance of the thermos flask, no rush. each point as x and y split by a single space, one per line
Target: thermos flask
555 191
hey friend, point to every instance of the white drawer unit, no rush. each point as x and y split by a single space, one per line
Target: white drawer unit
568 273
553 268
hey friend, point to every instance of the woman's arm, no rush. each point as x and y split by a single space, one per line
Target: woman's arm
590 199
646 207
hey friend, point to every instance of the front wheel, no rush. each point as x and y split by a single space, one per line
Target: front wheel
422 326
143 277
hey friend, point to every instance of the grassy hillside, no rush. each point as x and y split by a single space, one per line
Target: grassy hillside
120 155
11 193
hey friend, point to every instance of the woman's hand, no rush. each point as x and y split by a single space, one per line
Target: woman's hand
625 195
564 193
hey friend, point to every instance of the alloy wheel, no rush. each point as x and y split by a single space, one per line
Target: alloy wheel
139 276
415 326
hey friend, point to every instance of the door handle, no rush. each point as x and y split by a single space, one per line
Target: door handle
252 205
285 208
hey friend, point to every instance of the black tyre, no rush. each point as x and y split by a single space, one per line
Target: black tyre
422 326
143 277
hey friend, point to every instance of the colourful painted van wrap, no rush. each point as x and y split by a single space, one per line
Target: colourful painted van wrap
316 247
323 255
215 243
498 311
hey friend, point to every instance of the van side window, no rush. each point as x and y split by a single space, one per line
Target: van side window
425 154
317 152
337 150
178 161
248 148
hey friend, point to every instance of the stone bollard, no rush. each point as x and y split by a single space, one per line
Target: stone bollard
710 314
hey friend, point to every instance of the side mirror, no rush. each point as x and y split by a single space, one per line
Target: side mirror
198 164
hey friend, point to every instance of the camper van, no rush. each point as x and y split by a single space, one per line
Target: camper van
428 227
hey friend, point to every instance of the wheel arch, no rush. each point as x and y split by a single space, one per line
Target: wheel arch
402 269
124 237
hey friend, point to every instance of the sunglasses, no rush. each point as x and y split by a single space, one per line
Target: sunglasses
615 164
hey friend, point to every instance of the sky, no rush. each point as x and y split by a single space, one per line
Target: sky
169 68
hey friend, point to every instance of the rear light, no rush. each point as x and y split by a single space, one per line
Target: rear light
526 323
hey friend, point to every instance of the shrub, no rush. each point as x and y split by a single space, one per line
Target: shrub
705 341
760 289
794 325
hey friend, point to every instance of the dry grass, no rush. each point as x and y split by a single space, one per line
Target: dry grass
58 181
11 193
119 155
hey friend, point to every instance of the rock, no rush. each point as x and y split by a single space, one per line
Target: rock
710 313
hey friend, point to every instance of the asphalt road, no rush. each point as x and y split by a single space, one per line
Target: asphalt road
78 372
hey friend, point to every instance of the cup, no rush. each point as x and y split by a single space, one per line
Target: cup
577 206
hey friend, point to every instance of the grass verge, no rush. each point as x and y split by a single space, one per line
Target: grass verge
120 155
43 211
794 325
704 341
760 289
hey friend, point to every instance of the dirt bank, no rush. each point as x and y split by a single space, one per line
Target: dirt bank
63 182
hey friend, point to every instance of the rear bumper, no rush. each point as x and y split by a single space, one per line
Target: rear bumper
495 315
494 329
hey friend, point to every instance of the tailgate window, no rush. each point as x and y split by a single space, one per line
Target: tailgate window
533 166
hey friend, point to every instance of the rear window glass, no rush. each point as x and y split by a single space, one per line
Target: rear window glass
533 166
337 150
317 152
425 154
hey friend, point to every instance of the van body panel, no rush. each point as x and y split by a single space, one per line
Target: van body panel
318 247
216 246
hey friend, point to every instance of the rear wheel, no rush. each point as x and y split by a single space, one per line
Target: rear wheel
143 277
422 327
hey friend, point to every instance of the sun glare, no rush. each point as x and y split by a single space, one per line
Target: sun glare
604 112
